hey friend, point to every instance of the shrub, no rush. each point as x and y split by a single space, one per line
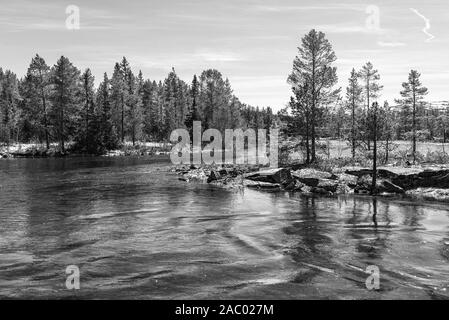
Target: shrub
330 165
437 157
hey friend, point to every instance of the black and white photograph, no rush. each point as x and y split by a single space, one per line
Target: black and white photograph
205 150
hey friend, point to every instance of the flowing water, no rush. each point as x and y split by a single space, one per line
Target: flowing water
136 232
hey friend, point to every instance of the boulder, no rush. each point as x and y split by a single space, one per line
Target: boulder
306 189
424 179
407 178
344 189
328 185
347 179
321 191
359 172
280 176
290 186
311 182
317 179
432 194
364 185
213 176
261 185
231 172
294 185
312 174
196 175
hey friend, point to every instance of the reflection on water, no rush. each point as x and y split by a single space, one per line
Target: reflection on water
136 232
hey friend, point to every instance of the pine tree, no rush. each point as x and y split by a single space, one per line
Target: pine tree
119 96
371 88
9 101
374 111
193 114
108 135
88 128
36 89
169 104
412 94
175 103
214 99
134 105
353 96
313 65
387 128
300 124
235 113
65 100
147 109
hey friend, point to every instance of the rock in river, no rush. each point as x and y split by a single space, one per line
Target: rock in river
261 185
280 176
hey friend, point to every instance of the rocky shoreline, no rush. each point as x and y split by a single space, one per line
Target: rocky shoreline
430 183
41 152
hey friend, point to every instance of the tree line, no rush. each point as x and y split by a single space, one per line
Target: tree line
318 109
61 104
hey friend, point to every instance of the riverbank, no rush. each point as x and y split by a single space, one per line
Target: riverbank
31 150
425 183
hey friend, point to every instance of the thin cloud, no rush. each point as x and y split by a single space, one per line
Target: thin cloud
427 24
218 57
280 8
390 44
346 28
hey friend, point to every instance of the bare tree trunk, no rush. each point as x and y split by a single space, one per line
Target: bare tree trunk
374 182
61 131
414 128
134 135
123 121
313 138
353 126
387 146
44 105
313 111
47 138
307 140
367 111
87 120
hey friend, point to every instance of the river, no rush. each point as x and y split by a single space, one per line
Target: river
136 232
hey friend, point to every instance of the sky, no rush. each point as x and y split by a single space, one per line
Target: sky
251 42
